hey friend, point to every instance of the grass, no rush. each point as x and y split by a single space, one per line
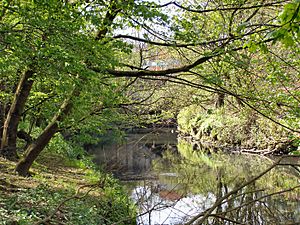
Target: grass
61 192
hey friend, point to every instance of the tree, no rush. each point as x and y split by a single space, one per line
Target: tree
52 42
61 60
48 50
236 35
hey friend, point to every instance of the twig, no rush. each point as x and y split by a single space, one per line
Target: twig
75 196
227 219
259 199
219 201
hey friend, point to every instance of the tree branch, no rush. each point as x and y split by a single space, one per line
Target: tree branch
185 45
219 201
111 14
279 3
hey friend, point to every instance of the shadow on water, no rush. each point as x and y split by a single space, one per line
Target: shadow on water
172 182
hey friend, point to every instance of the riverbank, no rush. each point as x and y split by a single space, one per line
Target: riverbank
62 192
242 131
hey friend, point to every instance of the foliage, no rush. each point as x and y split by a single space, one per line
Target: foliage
289 20
32 205
72 47
223 126
107 203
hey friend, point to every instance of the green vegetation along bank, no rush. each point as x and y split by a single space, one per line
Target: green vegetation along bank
244 130
61 191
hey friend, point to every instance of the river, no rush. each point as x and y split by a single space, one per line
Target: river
173 182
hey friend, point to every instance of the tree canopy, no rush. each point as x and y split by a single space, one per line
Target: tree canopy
72 66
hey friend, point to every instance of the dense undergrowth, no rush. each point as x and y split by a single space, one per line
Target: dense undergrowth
244 129
62 190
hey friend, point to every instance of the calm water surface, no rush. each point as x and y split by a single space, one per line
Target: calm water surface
172 181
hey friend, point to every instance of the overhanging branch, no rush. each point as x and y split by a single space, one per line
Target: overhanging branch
141 73
203 43
228 8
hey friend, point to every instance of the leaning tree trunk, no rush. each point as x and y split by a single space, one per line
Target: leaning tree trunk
35 148
8 148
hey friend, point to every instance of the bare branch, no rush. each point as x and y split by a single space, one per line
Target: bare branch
185 45
219 201
142 73
232 8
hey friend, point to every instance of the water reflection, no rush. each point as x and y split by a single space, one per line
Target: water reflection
165 208
132 159
209 179
196 183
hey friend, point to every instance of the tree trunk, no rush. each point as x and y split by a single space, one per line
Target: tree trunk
35 148
2 111
220 100
2 115
8 147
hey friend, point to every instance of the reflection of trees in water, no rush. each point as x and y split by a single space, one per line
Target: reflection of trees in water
251 205
132 158
246 189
